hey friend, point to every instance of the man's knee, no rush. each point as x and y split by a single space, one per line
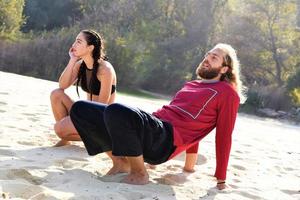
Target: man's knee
79 107
56 94
116 112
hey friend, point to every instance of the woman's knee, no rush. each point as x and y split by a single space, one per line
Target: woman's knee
56 94
58 129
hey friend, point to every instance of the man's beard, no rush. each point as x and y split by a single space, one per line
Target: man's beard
208 73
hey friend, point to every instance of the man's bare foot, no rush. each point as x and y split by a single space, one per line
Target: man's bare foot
120 165
62 143
136 178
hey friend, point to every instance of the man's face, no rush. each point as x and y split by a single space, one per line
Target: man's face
211 66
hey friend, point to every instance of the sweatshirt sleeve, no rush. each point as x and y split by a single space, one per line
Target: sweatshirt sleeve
227 113
193 148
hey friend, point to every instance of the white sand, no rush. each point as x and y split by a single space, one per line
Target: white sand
264 163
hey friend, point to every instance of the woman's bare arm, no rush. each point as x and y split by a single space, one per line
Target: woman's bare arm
106 75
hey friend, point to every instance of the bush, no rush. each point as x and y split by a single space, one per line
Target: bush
43 57
267 97
293 87
295 96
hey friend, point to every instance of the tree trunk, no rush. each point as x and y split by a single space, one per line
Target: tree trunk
298 14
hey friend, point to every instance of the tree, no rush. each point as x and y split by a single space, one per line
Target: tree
298 13
50 14
265 34
11 18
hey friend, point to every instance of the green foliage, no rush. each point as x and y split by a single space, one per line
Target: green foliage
153 44
295 95
293 86
157 45
266 97
254 99
44 57
50 14
11 19
266 38
298 14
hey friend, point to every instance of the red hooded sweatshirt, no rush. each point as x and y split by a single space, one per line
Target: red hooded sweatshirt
195 111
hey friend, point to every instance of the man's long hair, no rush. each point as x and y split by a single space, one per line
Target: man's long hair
232 75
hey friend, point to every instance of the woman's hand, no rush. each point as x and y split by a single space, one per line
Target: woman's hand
72 55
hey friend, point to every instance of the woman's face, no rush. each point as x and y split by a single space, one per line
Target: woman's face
80 46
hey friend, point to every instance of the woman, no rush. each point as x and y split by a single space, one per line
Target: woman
89 68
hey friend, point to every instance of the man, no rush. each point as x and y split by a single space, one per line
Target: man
134 136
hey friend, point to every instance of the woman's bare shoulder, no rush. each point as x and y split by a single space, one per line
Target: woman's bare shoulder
105 67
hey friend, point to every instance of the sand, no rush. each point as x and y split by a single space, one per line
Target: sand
264 162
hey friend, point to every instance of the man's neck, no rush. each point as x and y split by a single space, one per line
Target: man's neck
209 80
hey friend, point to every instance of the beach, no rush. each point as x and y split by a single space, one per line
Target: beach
264 161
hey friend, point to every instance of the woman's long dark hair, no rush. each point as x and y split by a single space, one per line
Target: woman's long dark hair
92 38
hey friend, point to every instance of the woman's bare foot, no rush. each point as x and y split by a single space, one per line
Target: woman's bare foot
136 178
120 165
62 143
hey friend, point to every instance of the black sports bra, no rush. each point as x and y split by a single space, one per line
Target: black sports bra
95 87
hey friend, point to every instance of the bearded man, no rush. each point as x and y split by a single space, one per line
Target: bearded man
134 136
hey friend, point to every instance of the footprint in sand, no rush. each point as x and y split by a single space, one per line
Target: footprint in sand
28 143
77 159
133 195
281 170
239 152
110 178
239 167
8 126
200 161
236 180
23 129
28 114
237 157
3 103
44 105
7 153
247 145
4 93
291 192
33 119
21 190
23 174
289 169
273 158
172 179
248 195
174 167
70 164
